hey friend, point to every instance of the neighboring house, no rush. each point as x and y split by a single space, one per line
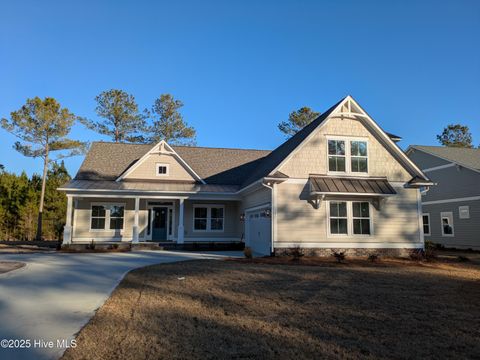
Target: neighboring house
339 183
451 210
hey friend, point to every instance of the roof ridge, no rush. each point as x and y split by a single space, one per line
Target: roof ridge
176 146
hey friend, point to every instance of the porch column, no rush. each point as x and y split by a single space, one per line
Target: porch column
181 229
67 230
135 220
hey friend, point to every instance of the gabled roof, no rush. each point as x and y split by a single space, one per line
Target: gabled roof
274 159
107 161
469 158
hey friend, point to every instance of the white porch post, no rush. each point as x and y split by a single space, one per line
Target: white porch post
181 229
67 230
135 220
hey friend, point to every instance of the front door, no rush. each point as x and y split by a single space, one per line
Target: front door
159 226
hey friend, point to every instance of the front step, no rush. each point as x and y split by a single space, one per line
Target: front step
190 246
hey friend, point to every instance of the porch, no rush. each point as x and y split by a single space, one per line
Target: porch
156 220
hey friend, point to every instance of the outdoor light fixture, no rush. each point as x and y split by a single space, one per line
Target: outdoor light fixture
242 217
268 212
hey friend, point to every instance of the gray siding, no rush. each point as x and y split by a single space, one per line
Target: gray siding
466 231
453 182
424 160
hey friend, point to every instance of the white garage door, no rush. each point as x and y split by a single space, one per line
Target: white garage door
259 232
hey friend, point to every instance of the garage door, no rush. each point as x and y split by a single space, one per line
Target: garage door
259 232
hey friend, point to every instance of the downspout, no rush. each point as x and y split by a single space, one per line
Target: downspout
273 214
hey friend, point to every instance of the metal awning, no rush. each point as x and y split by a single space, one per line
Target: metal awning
354 186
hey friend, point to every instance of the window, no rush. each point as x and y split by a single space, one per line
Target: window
349 218
216 218
347 156
208 217
464 212
338 218
426 224
447 223
98 217
200 218
116 217
361 218
107 217
162 169
336 155
359 159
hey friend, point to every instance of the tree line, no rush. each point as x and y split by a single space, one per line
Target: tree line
43 127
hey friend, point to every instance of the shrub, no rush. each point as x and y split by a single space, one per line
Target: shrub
91 246
417 254
297 253
373 258
462 258
247 252
339 256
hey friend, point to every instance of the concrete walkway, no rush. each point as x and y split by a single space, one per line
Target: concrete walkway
55 294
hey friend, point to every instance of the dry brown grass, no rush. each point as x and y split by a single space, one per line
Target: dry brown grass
233 309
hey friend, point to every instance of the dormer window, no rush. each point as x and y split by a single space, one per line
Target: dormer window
162 169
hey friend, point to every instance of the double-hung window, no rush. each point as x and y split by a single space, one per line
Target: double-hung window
426 224
350 218
347 156
338 217
336 155
107 217
208 217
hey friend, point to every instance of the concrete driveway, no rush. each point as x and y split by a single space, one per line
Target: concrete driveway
55 294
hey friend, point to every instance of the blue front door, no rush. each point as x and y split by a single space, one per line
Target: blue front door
159 227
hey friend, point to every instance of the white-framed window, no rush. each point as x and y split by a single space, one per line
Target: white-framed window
162 169
347 155
426 223
336 155
208 217
361 217
446 221
349 218
107 217
464 212
338 218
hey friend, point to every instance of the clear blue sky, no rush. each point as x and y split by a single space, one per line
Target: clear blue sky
241 67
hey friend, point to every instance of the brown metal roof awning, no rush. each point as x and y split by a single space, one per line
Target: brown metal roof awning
333 185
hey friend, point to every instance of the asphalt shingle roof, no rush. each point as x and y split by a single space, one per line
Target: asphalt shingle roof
467 157
107 161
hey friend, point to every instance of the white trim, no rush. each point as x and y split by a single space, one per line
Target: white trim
449 216
470 198
367 117
208 218
162 145
463 209
349 245
167 169
439 167
429 224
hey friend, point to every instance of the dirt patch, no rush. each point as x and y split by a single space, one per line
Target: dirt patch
6 266
231 309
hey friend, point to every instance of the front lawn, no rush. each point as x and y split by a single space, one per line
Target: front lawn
232 309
